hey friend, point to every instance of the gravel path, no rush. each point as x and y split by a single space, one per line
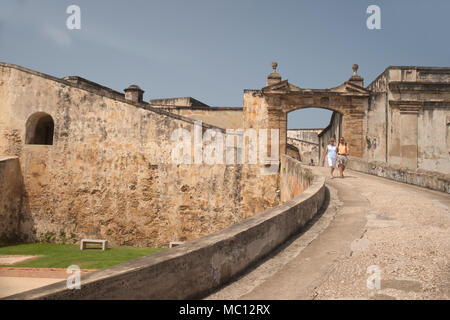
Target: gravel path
377 239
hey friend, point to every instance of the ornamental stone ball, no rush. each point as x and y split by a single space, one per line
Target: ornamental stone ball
355 69
274 66
274 77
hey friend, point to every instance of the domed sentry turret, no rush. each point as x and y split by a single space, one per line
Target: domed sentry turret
134 93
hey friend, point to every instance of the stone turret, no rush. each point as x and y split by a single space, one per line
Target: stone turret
134 93
355 78
274 77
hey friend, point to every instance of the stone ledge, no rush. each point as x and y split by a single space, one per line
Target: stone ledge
196 268
422 178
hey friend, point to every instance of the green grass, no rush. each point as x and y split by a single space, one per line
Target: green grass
64 255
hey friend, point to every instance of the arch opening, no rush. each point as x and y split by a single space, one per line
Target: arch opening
40 129
309 130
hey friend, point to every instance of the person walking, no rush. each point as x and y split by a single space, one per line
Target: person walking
331 156
343 153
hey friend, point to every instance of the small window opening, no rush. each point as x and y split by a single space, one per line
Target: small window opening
40 128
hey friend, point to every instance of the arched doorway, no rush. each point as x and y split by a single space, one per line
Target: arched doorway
283 98
40 129
268 108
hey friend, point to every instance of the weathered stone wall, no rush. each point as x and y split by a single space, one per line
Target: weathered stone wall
109 173
11 197
194 269
295 178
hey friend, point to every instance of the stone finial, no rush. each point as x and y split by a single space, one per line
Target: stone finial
134 93
355 69
274 66
274 77
355 78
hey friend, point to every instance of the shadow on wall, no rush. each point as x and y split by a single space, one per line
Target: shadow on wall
15 214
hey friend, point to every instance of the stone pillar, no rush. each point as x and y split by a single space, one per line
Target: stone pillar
278 121
352 131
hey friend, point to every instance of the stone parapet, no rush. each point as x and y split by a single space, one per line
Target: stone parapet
422 178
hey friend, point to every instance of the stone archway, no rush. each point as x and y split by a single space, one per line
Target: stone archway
268 108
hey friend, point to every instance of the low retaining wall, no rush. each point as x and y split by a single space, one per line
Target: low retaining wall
11 196
426 179
196 268
295 178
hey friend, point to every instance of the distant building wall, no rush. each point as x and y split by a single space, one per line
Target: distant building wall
307 142
178 102
306 135
222 117
293 152
407 119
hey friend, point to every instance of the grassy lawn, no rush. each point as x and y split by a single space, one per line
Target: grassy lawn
64 255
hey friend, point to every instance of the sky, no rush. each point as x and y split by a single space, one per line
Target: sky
213 50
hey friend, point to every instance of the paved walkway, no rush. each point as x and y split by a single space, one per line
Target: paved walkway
17 280
372 228
14 285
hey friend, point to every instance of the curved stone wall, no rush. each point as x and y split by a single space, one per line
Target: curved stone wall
198 267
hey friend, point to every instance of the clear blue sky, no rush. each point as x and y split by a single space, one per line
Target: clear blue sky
212 50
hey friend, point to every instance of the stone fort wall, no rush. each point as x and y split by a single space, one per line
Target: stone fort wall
195 269
109 172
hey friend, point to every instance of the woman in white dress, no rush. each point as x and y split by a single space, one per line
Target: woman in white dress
331 155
